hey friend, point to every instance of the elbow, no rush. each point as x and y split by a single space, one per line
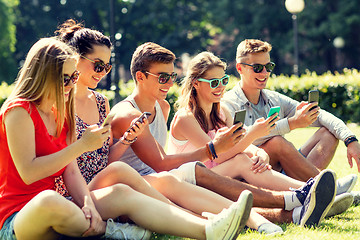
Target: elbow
27 178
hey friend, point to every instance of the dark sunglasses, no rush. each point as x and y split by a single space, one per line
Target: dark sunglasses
164 77
99 65
215 82
73 78
259 67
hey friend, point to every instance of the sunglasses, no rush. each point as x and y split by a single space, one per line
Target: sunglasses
99 65
73 78
259 67
215 82
164 77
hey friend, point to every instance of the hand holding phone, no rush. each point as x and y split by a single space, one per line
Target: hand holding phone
239 117
313 97
140 119
108 119
273 110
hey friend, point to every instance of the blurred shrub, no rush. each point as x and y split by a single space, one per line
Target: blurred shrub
339 93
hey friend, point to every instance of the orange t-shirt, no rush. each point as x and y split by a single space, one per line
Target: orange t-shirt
14 193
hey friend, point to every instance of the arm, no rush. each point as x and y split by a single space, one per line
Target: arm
20 132
78 189
151 152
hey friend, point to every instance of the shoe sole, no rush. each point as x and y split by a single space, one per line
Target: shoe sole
322 196
341 203
242 212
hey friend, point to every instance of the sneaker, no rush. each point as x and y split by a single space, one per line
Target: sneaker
115 230
346 184
302 192
229 222
319 199
270 229
356 195
341 203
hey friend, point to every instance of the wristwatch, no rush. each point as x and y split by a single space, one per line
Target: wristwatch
349 140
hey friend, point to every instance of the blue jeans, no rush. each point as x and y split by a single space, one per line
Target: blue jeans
7 231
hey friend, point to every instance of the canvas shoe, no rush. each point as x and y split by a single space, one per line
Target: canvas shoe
229 222
341 203
115 230
319 199
356 195
302 192
270 229
346 184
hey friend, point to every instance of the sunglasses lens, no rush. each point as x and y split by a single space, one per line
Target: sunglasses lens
164 78
73 78
258 68
214 83
270 67
66 80
99 66
225 80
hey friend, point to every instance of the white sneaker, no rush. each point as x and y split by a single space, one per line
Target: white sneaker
341 203
346 184
229 222
115 230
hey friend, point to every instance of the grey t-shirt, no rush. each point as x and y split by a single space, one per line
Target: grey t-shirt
235 99
158 129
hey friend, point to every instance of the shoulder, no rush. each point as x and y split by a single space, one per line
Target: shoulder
17 116
125 113
165 105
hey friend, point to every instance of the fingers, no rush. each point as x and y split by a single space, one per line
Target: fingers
259 166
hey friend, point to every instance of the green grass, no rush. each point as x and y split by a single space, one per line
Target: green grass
345 226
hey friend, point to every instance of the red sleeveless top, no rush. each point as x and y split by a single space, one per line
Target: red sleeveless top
14 193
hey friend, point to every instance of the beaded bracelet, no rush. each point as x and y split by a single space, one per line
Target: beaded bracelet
125 141
212 150
350 140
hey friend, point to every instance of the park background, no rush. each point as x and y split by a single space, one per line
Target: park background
328 50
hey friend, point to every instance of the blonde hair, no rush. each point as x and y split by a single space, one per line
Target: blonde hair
197 68
42 77
250 46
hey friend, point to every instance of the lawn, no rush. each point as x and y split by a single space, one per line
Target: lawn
345 226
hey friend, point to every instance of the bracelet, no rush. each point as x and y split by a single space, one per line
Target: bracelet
208 152
212 150
350 140
125 141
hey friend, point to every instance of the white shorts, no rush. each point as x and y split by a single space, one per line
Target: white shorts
186 172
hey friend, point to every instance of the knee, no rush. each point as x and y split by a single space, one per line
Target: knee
277 144
119 168
166 180
123 191
328 137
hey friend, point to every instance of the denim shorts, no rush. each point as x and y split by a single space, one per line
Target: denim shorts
7 231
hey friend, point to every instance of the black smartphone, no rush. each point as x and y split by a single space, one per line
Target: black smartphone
313 97
239 117
108 119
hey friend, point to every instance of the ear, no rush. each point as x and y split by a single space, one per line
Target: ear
196 84
140 76
238 68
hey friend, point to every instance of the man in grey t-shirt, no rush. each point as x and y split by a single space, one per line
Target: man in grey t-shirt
254 66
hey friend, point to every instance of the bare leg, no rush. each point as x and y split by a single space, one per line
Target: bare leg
320 148
231 188
284 155
119 172
276 215
147 212
240 166
48 214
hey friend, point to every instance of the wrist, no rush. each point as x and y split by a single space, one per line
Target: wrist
349 140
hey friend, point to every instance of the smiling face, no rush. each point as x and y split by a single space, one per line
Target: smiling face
209 95
249 79
151 84
88 76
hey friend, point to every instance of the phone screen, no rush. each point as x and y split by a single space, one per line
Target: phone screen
143 116
239 117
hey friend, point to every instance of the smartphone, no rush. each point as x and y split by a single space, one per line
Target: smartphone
313 97
143 116
273 110
239 117
108 119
